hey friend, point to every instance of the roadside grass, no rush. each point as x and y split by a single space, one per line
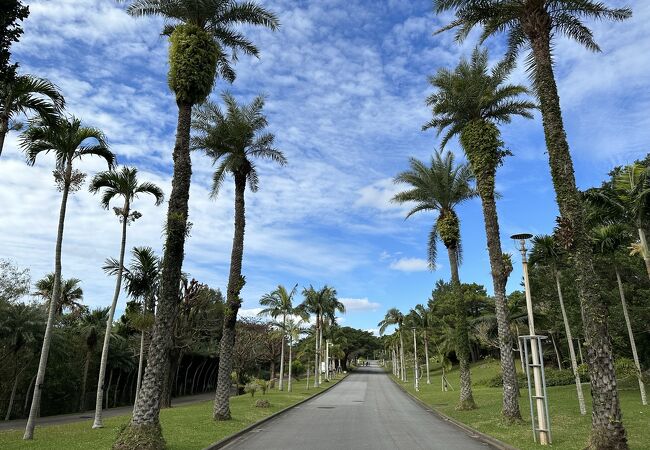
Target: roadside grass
184 427
569 429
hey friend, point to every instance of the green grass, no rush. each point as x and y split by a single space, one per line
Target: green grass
569 429
184 427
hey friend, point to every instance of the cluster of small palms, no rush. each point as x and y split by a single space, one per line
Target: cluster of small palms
471 102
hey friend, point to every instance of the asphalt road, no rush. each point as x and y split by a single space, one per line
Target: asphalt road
364 411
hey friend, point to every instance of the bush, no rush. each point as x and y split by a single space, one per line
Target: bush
554 377
297 368
264 385
251 388
261 403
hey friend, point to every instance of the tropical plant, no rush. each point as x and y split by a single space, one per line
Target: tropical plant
91 325
233 138
535 24
441 187
70 141
546 252
70 298
395 317
420 318
121 184
23 94
470 101
200 34
611 240
279 303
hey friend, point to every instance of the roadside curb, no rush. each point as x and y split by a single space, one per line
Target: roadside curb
494 442
228 439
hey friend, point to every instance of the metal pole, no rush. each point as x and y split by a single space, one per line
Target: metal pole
415 360
327 359
534 347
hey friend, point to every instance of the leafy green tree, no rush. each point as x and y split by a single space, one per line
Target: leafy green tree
546 252
534 24
233 138
70 141
441 187
91 325
200 34
12 12
14 282
23 94
279 303
122 184
470 101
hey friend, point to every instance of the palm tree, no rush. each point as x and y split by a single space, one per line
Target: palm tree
420 317
441 188
25 93
91 325
610 240
233 139
534 24
279 303
546 253
200 33
70 297
395 317
118 184
330 306
293 329
469 102
70 141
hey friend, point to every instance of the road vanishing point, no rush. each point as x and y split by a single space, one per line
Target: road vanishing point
366 410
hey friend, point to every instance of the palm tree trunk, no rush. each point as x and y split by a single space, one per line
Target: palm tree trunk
401 356
84 380
108 386
146 411
284 322
12 397
607 430
644 400
289 380
235 285
197 376
117 388
426 353
320 354
29 389
466 401
316 366
485 179
54 302
140 366
4 128
572 352
644 249
98 423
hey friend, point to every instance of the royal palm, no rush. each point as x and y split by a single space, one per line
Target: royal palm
124 185
534 24
91 325
69 141
201 33
469 102
233 138
440 188
395 317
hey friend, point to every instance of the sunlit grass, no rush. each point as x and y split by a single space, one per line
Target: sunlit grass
184 427
570 430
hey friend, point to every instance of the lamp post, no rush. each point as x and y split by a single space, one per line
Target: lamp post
543 425
327 359
415 360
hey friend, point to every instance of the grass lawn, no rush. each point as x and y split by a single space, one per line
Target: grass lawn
184 427
569 429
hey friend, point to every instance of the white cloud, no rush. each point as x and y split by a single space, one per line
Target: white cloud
410 265
374 331
359 304
250 312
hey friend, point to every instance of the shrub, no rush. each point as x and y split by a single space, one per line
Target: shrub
297 368
554 377
261 403
251 388
264 385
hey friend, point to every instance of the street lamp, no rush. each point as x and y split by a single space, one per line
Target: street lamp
415 359
535 343
327 359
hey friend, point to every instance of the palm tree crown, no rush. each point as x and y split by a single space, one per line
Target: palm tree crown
393 317
234 137
71 293
279 302
439 187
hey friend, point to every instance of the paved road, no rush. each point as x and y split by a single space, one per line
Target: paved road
89 415
364 411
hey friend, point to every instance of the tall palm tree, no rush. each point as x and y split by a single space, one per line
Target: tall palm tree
534 24
546 252
70 141
610 240
420 316
233 138
293 329
201 32
470 102
91 325
279 303
395 317
26 93
331 306
121 184
441 188
70 297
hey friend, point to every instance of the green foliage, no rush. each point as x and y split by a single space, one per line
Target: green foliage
12 12
448 227
14 282
262 403
484 148
297 368
193 56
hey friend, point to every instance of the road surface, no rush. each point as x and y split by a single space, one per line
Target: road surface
364 411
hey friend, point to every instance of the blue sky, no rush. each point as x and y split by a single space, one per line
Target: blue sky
345 82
